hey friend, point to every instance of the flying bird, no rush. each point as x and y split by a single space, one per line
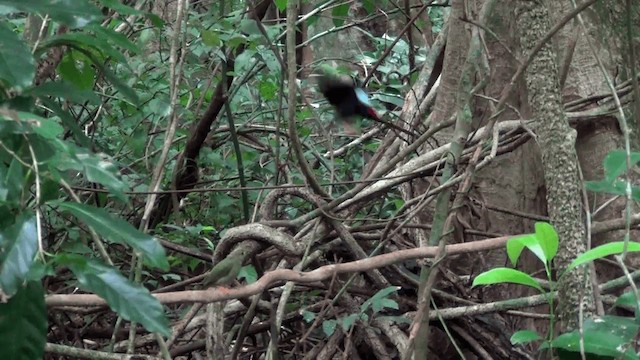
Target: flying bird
350 100
346 97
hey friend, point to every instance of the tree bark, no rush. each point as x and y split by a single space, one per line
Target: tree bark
560 163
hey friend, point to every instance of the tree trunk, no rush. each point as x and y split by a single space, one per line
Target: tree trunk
560 163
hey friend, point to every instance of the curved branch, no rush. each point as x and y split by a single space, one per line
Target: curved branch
272 278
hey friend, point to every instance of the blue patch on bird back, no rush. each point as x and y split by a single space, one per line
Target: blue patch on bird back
362 96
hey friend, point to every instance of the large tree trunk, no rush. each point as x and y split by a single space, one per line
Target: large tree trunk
559 160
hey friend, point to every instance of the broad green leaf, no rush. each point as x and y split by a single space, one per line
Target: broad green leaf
384 304
369 6
65 90
23 324
543 244
308 316
76 69
615 163
19 244
531 242
249 273
114 37
269 59
348 321
119 231
249 27
96 43
602 251
340 13
329 327
635 193
133 302
506 275
281 4
69 122
120 85
14 181
103 172
605 186
74 13
44 150
210 38
389 99
524 337
244 60
377 302
268 90
98 63
32 124
548 239
97 168
604 336
313 19
5 183
627 299
160 105
17 66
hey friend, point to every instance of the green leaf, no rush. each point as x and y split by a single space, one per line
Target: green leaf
517 244
506 275
548 239
347 322
133 302
602 251
66 91
627 299
249 27
14 181
18 246
340 13
17 66
76 69
23 324
615 163
96 44
606 186
281 4
121 86
210 38
116 38
369 6
543 244
97 168
71 12
604 336
34 124
524 337
68 121
379 300
396 100
268 90
308 316
119 231
329 327
249 273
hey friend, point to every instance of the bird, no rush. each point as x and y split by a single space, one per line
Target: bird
225 271
347 98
